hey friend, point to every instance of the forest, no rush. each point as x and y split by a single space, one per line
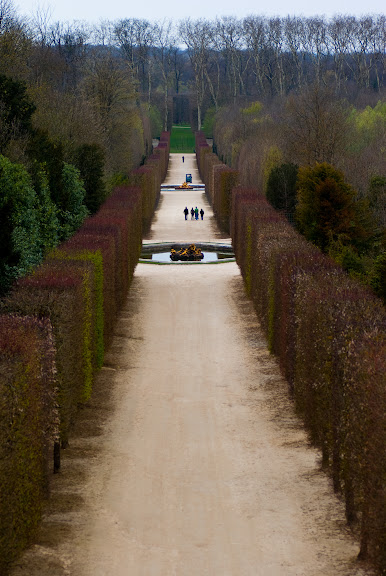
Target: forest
80 104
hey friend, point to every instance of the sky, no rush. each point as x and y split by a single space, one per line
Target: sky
95 11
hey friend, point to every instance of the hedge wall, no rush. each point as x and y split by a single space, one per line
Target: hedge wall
28 427
323 326
329 334
55 326
62 294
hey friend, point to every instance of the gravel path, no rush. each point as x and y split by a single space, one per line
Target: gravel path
189 460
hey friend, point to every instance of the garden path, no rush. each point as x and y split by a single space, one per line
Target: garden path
189 460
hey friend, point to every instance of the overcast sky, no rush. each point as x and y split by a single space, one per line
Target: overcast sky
93 11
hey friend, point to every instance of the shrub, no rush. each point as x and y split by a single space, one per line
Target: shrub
16 110
127 201
224 180
147 180
325 209
90 161
101 249
62 293
281 187
74 211
93 309
20 244
329 333
28 427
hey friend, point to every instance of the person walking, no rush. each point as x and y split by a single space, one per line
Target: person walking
183 159
192 213
196 212
186 212
202 213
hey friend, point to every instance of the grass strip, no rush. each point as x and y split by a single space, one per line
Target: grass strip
182 139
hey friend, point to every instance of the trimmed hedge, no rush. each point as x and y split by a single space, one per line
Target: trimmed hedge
202 148
93 313
147 179
224 180
127 202
315 317
58 292
329 333
28 427
219 181
46 372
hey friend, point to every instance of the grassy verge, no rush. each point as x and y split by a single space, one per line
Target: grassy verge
182 139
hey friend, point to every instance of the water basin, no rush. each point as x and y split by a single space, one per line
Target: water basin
160 253
165 257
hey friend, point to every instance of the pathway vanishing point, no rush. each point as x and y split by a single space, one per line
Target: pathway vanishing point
189 459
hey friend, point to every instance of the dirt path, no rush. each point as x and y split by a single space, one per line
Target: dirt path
189 460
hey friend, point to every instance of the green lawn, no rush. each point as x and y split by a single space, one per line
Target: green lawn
182 139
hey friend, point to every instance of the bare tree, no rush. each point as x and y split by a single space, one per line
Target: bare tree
135 37
315 126
316 43
213 66
15 41
7 15
112 93
293 28
103 34
196 34
256 41
338 38
164 44
230 35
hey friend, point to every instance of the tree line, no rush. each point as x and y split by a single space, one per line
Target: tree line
299 89
219 61
319 161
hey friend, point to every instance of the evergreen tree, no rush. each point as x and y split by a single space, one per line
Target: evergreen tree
20 244
89 159
281 187
74 212
327 209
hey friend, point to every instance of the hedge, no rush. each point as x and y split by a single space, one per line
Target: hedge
28 427
202 148
93 306
224 180
147 179
329 333
313 316
57 292
55 326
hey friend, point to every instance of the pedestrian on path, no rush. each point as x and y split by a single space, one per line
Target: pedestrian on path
183 159
196 212
202 213
186 212
192 213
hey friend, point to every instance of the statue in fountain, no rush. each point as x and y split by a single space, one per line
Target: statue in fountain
186 254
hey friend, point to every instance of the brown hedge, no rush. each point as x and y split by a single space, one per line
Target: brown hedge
77 290
56 291
329 333
28 428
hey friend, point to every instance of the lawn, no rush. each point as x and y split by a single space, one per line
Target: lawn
182 139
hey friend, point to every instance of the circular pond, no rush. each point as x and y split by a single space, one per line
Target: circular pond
160 253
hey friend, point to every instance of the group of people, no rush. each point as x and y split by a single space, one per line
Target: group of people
194 213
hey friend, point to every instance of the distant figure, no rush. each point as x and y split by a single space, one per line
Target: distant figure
192 213
186 212
196 213
202 213
183 159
